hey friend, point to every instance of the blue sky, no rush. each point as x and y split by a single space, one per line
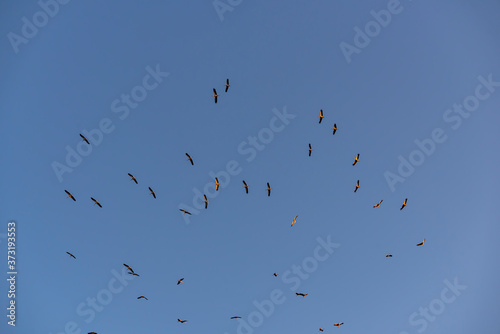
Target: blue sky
281 57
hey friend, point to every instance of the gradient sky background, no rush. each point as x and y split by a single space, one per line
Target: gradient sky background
277 54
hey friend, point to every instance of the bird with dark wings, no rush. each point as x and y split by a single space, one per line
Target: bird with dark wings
404 204
182 321
190 159
268 189
215 95
321 116
227 85
152 192
356 160
357 186
310 150
334 128
185 211
70 195
71 255
245 186
132 178
378 204
96 202
205 201
84 139
301 294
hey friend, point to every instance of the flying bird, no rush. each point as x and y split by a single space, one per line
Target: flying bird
378 204
245 186
96 202
190 159
404 204
422 243
301 294
320 115
84 139
294 220
70 195
71 255
321 329
215 95
357 186
356 160
180 281
206 201
334 128
133 274
268 189
189 213
217 184
181 321
132 178
275 275
235 317
142 297
92 333
388 255
227 85
310 150
128 267
152 192
340 323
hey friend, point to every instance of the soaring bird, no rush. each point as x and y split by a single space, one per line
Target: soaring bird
180 281
422 243
388 255
215 95
275 275
142 297
340 323
378 204
334 128
133 274
152 192
71 255
320 115
182 321
404 204
128 267
217 184
92 333
294 220
227 85
70 195
310 150
84 139
206 201
357 186
132 178
268 189
301 294
356 160
245 186
321 329
185 211
96 202
236 317
190 159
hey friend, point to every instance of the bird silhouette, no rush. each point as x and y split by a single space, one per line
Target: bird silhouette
70 195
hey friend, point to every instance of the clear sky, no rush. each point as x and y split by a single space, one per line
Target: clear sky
88 66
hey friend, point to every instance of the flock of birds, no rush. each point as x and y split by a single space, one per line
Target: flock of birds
245 185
